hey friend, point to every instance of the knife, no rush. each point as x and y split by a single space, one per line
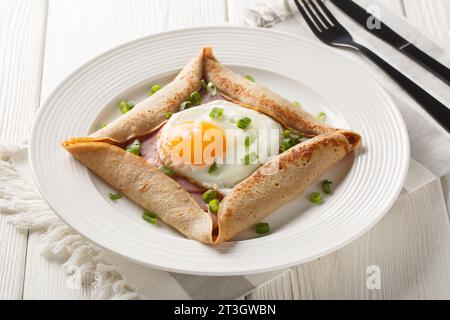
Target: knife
388 35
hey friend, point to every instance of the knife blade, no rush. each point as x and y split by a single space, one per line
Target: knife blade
385 33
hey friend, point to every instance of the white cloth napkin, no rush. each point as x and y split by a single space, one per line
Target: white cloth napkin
430 143
115 278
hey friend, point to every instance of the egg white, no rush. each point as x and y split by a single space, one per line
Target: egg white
233 171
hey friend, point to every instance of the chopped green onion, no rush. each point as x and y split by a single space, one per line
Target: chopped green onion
243 123
315 197
185 105
211 88
114 196
297 104
167 170
209 195
286 144
326 187
214 206
262 228
213 168
321 116
195 98
203 84
291 139
125 106
155 88
287 133
249 77
134 147
150 217
167 115
249 158
249 140
216 113
103 125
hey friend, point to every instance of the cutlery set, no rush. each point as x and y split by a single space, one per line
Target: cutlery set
328 29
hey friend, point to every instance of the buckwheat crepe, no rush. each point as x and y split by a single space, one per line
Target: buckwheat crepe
252 199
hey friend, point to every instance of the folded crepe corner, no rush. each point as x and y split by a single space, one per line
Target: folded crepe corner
251 200
148 115
258 196
144 184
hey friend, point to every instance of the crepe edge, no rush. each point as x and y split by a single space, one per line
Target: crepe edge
198 225
258 190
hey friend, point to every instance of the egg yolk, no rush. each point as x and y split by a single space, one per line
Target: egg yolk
197 143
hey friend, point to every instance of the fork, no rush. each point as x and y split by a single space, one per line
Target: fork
325 26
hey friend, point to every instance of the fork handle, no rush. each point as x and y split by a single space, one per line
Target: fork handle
434 108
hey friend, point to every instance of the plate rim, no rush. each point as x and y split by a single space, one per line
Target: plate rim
386 207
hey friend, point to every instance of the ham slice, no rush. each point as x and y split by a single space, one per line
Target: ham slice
149 151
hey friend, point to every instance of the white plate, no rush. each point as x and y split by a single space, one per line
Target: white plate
366 184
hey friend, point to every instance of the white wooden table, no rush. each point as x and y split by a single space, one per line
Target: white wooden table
41 41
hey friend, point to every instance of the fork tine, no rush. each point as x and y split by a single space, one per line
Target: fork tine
327 12
319 13
316 19
308 20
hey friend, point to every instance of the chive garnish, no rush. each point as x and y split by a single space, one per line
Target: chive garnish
216 113
262 228
167 115
326 187
167 170
249 140
134 147
315 197
297 104
185 105
209 195
114 196
213 168
214 206
195 98
125 106
243 123
155 88
321 116
249 77
249 158
291 139
150 217
203 84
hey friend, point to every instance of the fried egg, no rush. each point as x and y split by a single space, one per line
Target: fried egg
218 144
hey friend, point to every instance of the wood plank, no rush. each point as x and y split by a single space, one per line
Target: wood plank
431 17
77 31
46 279
415 227
22 34
413 256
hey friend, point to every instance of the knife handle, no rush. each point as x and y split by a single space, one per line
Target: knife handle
436 109
428 62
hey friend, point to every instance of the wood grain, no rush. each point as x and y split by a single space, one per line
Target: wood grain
411 244
22 34
412 253
78 30
432 17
